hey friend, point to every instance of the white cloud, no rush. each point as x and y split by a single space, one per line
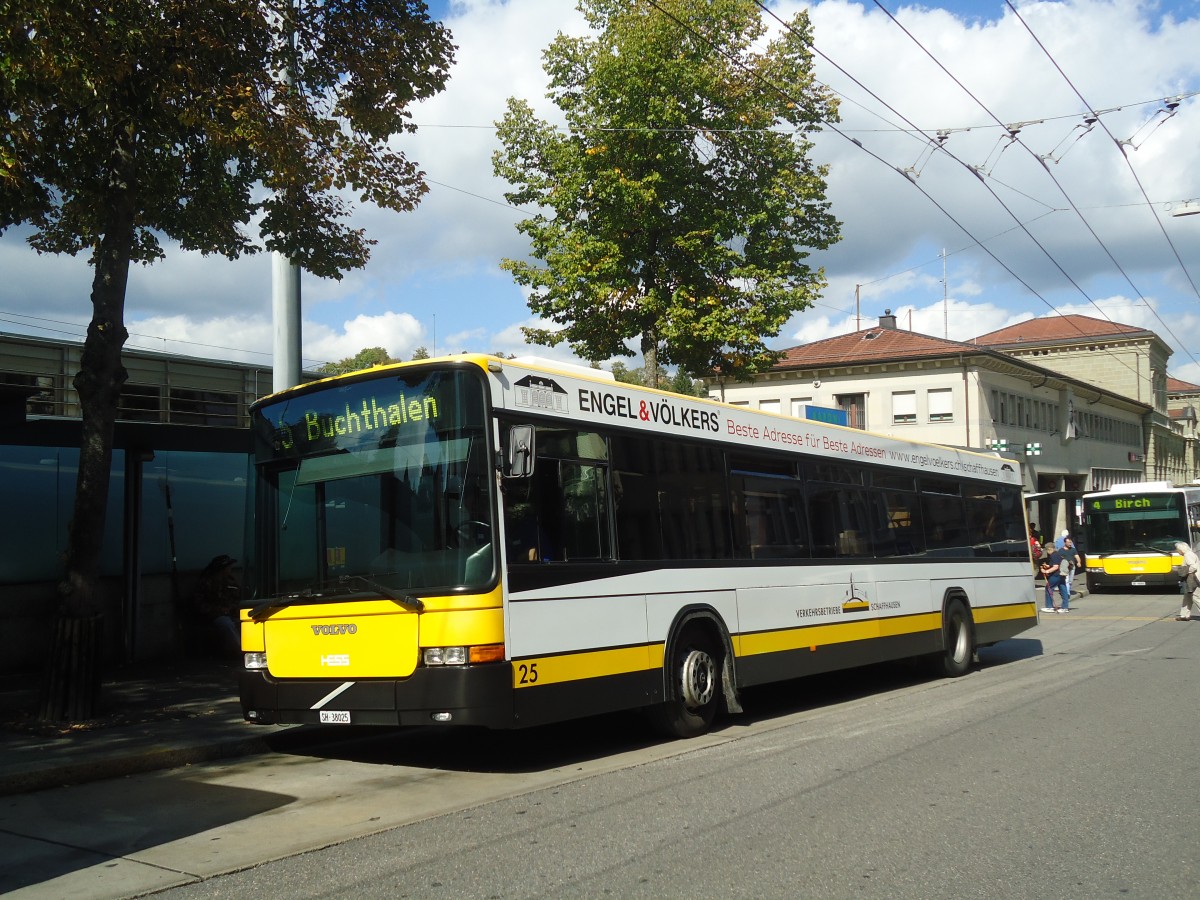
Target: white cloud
397 333
441 262
240 338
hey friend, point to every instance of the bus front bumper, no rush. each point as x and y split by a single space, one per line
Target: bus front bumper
457 695
1100 579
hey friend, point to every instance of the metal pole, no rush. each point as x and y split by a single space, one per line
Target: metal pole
285 280
945 304
285 310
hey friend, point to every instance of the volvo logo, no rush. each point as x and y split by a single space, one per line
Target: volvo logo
334 629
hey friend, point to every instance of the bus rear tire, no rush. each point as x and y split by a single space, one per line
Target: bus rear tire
693 684
958 636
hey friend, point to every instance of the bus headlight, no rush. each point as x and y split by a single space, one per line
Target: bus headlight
445 656
256 660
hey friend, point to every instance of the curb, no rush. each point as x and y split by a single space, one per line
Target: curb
148 760
152 759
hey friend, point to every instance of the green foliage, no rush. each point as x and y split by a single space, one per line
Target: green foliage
626 375
132 120
682 383
679 203
420 353
679 383
364 359
177 104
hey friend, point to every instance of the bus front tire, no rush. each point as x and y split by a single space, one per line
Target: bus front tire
694 686
958 634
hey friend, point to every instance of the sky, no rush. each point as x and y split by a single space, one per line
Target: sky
971 190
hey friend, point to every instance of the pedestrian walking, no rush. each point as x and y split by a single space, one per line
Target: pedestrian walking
1071 562
1051 570
1035 547
1061 540
1189 583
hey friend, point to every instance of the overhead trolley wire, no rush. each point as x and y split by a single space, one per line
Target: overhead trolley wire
1113 138
914 182
1014 132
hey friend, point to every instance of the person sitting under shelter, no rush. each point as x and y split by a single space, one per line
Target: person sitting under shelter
215 603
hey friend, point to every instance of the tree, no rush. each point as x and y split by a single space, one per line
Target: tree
136 121
420 353
682 383
679 200
679 383
363 359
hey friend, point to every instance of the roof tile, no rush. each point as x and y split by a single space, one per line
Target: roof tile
870 345
1055 328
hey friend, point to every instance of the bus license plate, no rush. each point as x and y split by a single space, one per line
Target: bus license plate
335 717
1137 584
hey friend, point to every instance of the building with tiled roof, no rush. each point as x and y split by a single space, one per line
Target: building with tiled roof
1183 406
1081 402
1132 360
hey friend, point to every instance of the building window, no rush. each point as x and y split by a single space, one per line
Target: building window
798 406
941 405
192 407
139 403
855 407
771 406
904 408
41 400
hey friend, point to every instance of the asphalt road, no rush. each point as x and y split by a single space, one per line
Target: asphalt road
1061 767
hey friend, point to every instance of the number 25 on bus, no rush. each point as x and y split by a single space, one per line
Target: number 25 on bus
505 543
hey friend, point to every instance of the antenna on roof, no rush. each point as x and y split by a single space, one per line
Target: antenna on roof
945 302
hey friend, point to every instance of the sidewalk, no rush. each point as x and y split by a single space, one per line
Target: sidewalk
152 716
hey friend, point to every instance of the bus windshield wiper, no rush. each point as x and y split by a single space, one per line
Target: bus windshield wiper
1153 549
408 601
308 595
264 610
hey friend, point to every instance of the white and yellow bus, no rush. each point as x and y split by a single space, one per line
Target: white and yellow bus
1132 530
479 541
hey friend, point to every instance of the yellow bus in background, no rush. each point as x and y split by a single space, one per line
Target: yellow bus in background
1132 530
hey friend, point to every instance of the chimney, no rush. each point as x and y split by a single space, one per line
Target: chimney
887 320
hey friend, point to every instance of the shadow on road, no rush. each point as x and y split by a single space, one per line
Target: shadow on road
571 743
49 834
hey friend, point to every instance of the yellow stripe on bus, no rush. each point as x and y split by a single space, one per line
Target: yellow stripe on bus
839 633
543 670
1008 613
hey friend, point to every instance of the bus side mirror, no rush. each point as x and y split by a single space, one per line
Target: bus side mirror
520 451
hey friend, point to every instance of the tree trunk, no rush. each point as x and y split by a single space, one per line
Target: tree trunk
71 690
72 681
650 356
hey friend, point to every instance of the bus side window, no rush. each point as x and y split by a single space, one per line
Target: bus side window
525 530
585 531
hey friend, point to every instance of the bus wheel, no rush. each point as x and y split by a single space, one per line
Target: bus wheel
958 633
694 685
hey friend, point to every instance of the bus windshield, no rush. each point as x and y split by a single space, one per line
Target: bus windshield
1135 522
376 485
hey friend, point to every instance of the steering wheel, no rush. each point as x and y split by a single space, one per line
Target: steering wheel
473 532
